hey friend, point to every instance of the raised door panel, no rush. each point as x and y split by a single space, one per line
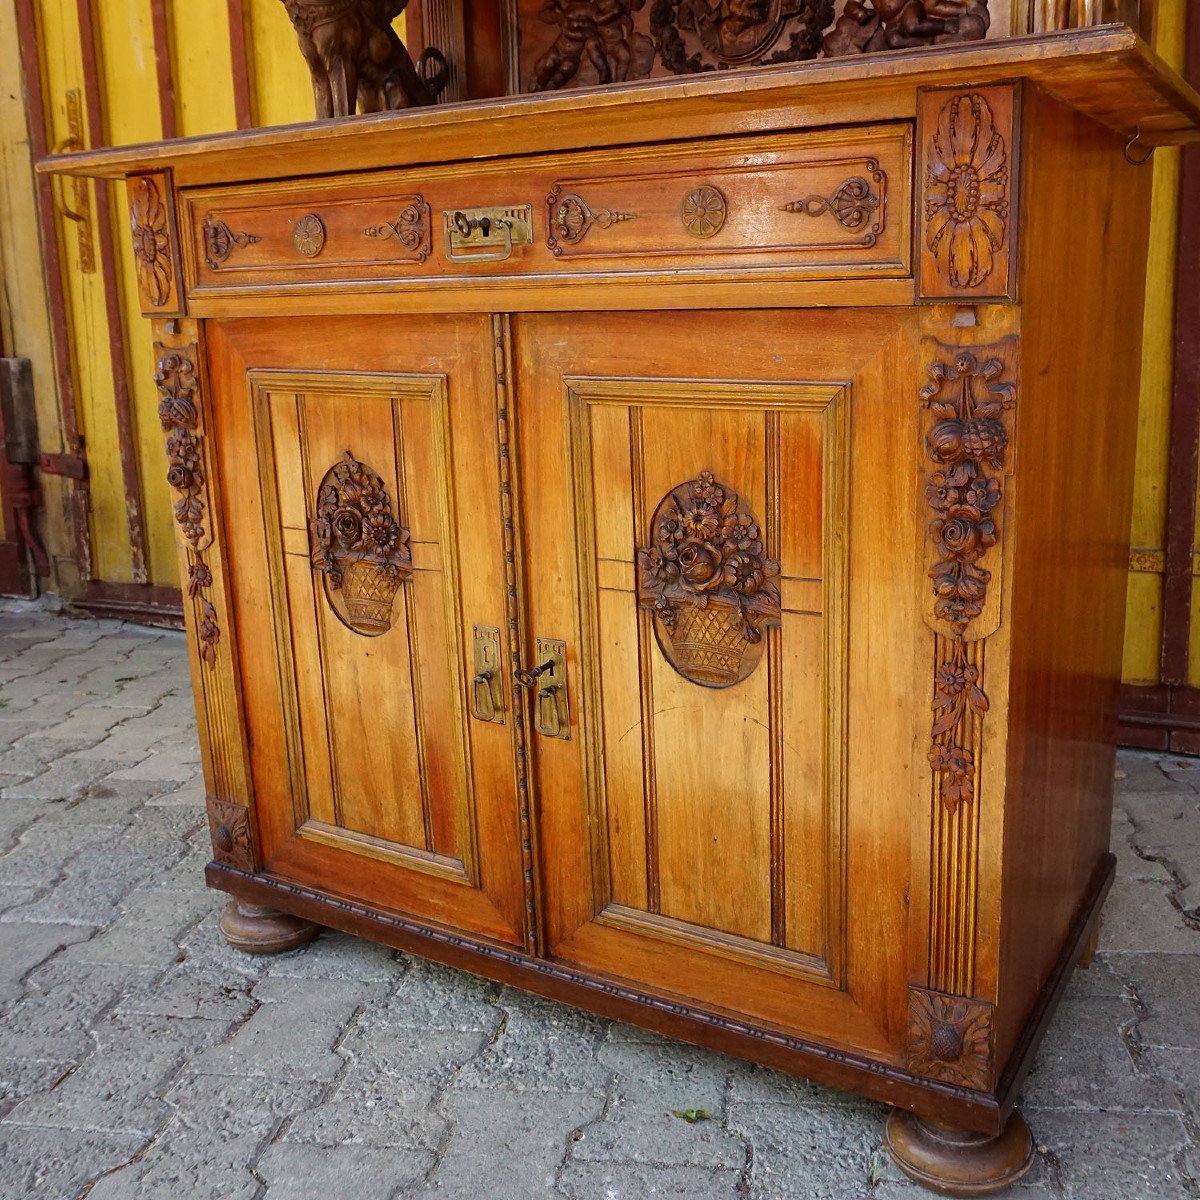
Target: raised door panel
378 549
728 821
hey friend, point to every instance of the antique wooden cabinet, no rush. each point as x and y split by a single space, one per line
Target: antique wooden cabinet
663 546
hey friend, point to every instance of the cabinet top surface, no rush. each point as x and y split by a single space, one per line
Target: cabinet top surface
1106 72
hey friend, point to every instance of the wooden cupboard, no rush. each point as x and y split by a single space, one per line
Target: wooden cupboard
669 554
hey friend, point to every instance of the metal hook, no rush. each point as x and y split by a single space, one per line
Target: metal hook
1129 145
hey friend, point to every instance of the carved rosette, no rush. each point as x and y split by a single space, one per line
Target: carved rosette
359 547
220 241
966 192
703 211
179 414
308 235
855 205
708 582
229 827
966 441
571 218
950 1038
411 229
150 226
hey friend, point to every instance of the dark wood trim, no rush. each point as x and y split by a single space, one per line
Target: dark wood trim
1161 717
31 66
960 1107
239 60
1185 412
160 20
131 479
143 604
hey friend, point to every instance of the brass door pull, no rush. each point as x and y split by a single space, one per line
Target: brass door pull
486 234
487 686
551 715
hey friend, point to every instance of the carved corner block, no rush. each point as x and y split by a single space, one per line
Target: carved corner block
950 1038
229 826
155 236
967 195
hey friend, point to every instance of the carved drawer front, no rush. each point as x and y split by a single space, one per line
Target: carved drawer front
818 205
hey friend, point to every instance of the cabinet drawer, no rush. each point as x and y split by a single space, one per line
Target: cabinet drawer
829 204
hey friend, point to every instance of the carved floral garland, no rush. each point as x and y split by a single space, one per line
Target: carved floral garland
968 439
177 410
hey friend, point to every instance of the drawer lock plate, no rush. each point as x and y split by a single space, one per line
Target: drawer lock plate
487 234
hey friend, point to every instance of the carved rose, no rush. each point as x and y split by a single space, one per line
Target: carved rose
966 191
700 565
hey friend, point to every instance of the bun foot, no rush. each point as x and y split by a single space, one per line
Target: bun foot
953 1163
258 929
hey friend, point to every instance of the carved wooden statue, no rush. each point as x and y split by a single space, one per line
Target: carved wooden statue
869 25
357 59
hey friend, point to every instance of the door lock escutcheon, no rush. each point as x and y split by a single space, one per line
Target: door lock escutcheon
487 687
548 682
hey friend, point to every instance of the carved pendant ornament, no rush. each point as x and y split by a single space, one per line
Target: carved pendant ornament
572 218
708 582
852 205
950 1038
151 241
967 441
411 229
966 191
178 411
220 241
359 546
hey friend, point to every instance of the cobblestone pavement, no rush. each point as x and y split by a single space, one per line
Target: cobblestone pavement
141 1058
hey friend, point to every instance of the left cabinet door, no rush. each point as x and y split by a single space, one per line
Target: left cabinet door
360 494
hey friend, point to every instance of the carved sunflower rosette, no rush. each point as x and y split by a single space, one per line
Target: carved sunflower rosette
359 547
967 195
950 1038
708 582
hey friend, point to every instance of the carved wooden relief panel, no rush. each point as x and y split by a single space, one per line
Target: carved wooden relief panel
358 546
709 583
355 473
155 244
229 827
968 192
968 402
710 631
950 1038
576 43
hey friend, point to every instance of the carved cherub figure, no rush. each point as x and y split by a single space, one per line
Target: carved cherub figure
357 59
869 25
600 30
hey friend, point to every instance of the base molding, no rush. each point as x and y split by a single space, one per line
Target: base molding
953 1163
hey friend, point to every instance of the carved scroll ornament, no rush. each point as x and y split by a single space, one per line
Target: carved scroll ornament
179 414
852 205
571 218
220 241
411 229
359 546
708 581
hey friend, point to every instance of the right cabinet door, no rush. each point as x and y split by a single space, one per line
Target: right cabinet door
719 522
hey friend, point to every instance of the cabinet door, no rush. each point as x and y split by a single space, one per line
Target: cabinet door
359 461
719 521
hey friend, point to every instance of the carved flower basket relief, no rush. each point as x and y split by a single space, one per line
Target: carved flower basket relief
359 546
707 580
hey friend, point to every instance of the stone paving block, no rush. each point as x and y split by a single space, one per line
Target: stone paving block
86 725
13 896
131 740
750 1083
64 779
45 848
117 1088
190 794
146 931
62 1003
190 990
53 1164
1116 1156
506 1147
30 757
14 729
1139 772
816 1153
1085 1063
1168 985
338 956
431 996
1140 919
293 1032
23 947
645 1181
15 817
348 1173
386 1100
208 1148
21 1077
